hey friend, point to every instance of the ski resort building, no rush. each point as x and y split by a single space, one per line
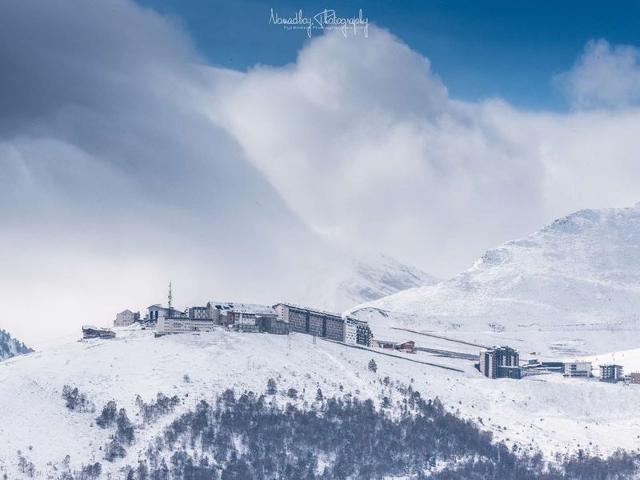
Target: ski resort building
182 324
324 324
536 367
313 322
388 344
154 312
281 319
577 369
357 332
634 377
89 332
200 313
364 335
611 373
408 346
500 362
126 318
275 326
169 320
350 331
245 317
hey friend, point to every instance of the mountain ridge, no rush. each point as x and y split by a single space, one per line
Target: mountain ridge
580 272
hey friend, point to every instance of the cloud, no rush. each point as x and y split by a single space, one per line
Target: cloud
363 141
604 76
125 161
112 181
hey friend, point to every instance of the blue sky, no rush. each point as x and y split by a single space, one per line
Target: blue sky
499 48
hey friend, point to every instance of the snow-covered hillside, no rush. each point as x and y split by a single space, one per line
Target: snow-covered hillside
571 288
380 276
10 347
546 412
352 280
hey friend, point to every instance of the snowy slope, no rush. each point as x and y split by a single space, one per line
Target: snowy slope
339 279
629 359
572 287
547 412
377 277
10 347
364 279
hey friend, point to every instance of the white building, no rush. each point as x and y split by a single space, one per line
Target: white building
577 369
154 312
198 312
611 372
500 362
350 331
229 313
167 326
125 318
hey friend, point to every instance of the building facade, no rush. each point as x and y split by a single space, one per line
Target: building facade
89 332
312 322
154 312
357 332
126 318
280 319
611 373
324 324
350 332
168 325
500 362
364 335
200 313
275 326
408 346
577 369
231 314
387 344
634 377
243 322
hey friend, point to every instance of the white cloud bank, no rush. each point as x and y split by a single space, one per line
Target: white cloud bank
362 140
604 76
125 162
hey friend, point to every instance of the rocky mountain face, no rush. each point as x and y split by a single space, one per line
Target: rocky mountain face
10 347
573 287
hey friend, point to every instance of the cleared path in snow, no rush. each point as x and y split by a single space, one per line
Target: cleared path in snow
360 347
440 337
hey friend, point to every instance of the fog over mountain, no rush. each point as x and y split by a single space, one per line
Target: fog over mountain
127 161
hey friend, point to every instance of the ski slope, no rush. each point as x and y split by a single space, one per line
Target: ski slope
550 413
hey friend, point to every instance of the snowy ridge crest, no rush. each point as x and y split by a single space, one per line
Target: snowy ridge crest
579 273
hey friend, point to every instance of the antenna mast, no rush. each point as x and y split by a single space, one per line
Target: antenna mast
170 296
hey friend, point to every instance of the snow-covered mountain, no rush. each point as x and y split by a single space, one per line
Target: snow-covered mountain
572 287
347 280
53 402
381 276
10 347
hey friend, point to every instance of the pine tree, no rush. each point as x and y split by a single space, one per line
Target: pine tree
373 366
271 387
